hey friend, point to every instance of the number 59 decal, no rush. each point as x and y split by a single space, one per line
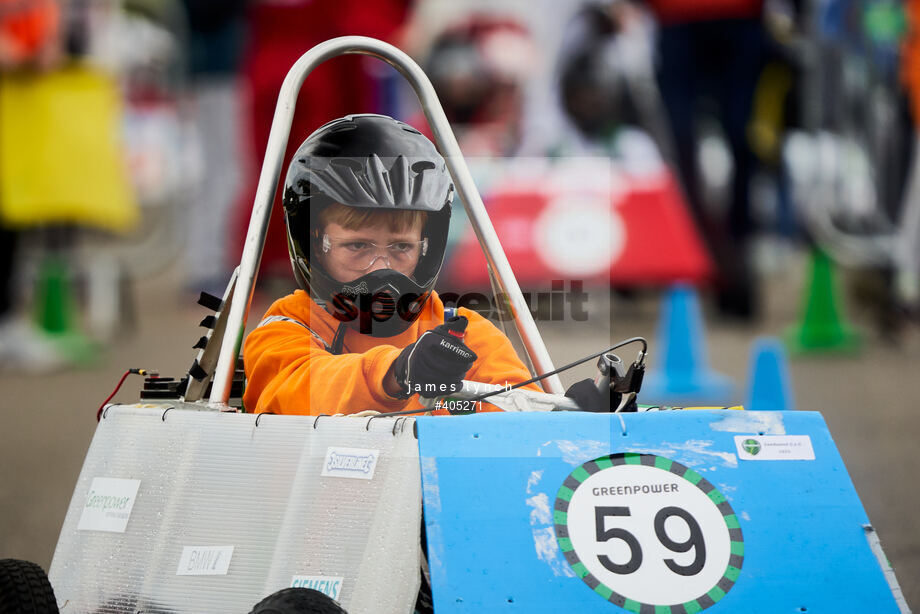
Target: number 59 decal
643 530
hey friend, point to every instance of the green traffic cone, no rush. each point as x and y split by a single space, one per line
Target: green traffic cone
53 300
55 312
822 328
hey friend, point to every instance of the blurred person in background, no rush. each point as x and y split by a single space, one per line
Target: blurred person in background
280 31
712 51
30 41
606 83
885 125
56 105
481 59
30 34
851 166
908 256
217 37
479 66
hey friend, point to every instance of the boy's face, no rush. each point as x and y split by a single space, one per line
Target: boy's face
349 254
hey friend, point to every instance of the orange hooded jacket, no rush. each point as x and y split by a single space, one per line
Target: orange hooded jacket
290 370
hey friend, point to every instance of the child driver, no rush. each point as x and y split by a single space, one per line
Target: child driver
367 206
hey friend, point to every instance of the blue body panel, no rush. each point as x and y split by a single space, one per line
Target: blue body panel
487 480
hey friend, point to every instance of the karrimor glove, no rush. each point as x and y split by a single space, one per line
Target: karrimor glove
435 365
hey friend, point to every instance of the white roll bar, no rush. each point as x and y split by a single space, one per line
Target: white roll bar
463 181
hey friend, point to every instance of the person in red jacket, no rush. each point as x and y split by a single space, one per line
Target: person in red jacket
367 203
278 33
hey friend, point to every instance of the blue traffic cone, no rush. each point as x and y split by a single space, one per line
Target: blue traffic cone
681 376
769 385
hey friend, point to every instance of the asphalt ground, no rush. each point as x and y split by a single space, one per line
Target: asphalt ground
868 401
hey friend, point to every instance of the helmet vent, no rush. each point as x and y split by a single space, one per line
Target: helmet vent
423 165
342 126
346 163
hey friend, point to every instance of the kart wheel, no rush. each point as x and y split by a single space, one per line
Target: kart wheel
25 589
297 601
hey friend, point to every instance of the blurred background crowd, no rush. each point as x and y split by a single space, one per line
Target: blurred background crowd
761 153
132 131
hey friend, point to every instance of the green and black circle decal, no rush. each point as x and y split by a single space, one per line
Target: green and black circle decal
751 446
648 534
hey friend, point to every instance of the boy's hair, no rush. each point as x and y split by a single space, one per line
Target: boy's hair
355 218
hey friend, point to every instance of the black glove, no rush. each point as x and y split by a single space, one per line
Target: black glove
435 365
588 397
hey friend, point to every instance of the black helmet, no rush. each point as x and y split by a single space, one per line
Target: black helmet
476 61
593 84
368 161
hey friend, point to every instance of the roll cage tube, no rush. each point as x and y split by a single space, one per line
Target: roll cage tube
270 174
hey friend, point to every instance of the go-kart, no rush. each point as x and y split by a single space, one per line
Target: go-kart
185 504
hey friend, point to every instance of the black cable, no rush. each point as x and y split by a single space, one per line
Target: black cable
641 359
407 412
568 366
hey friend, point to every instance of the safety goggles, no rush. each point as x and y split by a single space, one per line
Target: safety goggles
359 255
